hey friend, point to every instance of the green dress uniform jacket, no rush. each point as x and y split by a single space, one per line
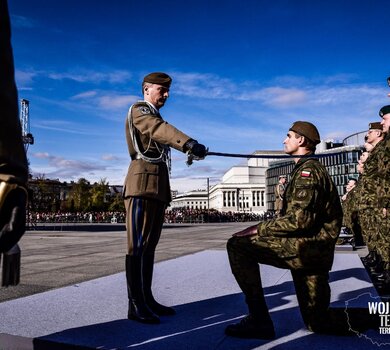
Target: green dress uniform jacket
306 232
150 179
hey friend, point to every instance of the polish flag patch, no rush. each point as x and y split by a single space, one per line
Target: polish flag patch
305 173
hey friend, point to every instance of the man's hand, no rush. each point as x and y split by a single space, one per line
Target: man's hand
12 216
197 149
249 231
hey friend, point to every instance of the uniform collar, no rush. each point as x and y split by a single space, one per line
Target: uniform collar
152 106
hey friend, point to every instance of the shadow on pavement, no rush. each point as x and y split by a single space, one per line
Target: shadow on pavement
200 325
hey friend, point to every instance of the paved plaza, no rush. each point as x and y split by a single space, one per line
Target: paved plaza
73 294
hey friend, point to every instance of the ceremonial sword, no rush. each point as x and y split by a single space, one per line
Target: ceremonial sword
191 157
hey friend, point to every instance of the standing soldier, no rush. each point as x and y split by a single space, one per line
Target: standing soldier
302 240
367 202
366 198
279 193
13 162
348 209
383 192
147 191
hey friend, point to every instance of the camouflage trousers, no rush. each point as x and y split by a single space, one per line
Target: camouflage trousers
311 286
383 248
369 222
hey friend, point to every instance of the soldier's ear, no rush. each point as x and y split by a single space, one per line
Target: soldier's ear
302 140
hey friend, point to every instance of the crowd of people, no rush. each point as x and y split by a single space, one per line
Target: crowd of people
177 215
76 217
365 203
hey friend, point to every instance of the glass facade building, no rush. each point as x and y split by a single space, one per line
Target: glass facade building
340 161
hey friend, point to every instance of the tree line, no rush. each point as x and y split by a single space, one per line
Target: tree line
81 196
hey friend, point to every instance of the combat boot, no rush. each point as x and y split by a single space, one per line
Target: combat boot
257 324
147 271
372 262
383 283
138 310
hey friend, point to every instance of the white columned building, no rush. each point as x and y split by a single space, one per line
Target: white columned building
242 189
190 200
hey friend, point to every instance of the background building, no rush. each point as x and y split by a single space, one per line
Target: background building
242 189
190 200
251 187
339 160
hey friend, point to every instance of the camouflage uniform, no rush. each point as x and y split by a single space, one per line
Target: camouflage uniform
302 240
351 219
367 202
383 193
279 193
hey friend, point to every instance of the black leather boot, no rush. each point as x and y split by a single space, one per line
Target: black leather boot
257 324
138 310
370 259
147 270
383 283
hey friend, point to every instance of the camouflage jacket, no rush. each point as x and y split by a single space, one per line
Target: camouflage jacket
370 180
383 190
311 216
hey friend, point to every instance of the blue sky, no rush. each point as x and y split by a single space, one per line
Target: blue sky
242 71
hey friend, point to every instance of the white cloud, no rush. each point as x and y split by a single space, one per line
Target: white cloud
105 100
84 95
63 126
83 76
109 102
110 157
282 97
25 78
68 169
22 22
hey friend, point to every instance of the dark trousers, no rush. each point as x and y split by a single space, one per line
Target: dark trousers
144 221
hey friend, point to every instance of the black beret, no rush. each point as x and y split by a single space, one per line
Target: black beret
158 78
308 130
375 126
384 110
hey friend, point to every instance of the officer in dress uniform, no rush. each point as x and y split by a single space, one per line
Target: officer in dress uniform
302 240
147 191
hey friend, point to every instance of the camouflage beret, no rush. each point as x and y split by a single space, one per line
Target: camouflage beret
384 110
158 78
308 130
375 126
